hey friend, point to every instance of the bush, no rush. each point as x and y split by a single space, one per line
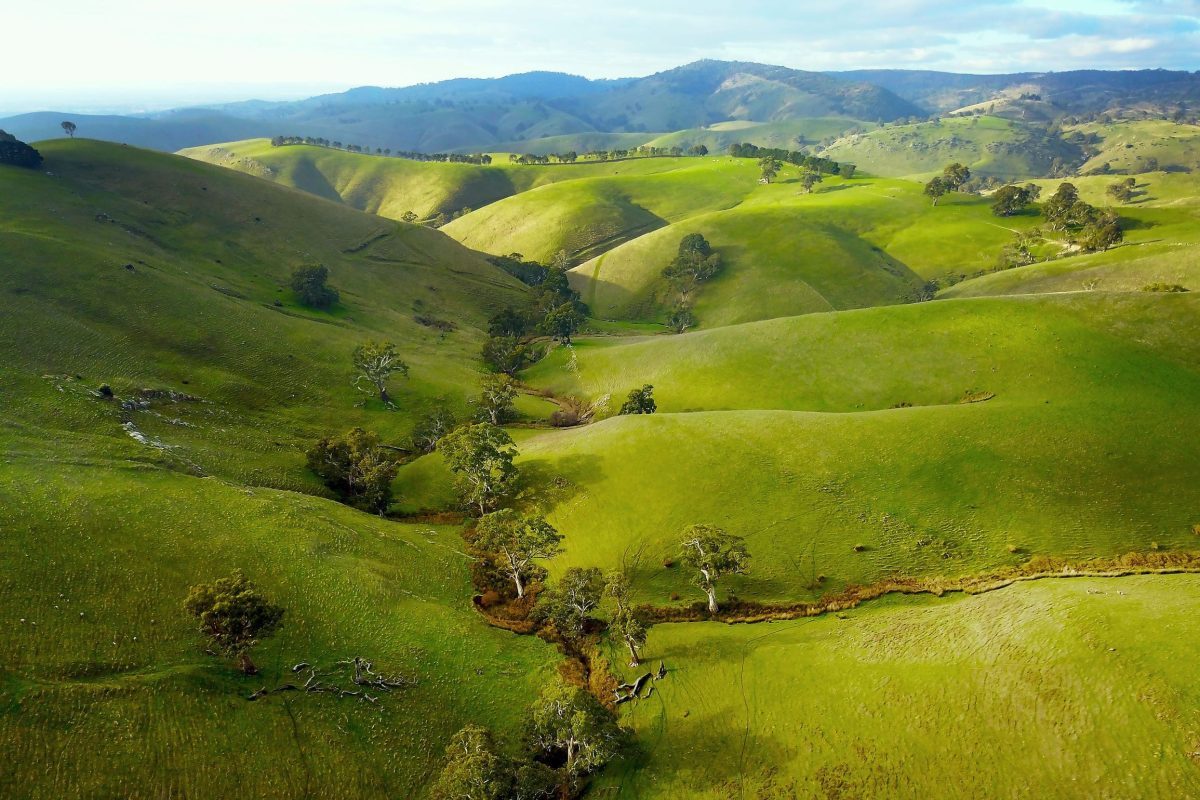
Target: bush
640 401
1170 288
309 285
357 468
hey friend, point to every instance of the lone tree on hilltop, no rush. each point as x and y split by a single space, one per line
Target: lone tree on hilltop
69 128
517 542
481 458
568 721
234 616
309 284
713 553
640 401
376 363
357 467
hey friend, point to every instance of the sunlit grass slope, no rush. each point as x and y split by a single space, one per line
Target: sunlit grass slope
1084 450
988 145
1126 146
791 134
105 690
1162 237
392 186
1070 689
863 242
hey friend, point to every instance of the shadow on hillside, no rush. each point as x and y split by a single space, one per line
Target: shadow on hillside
543 484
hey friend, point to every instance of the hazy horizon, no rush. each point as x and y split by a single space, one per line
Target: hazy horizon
151 57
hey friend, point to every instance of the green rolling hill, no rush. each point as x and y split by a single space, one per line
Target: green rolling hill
1045 414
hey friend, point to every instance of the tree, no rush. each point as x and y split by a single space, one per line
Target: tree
769 166
357 468
506 354
476 769
1010 200
17 153
376 363
562 322
568 720
936 188
572 598
234 616
1061 207
309 285
713 553
496 397
517 542
508 322
680 319
809 180
698 150
431 427
625 623
408 217
695 262
1123 191
1102 232
847 170
481 458
69 128
955 176
640 401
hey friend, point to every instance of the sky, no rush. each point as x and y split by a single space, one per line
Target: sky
125 55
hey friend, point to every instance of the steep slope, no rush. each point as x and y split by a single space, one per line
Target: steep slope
149 271
161 278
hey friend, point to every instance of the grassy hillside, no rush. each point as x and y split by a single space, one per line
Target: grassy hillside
149 271
1072 689
988 145
851 244
156 275
1127 147
1162 232
1083 450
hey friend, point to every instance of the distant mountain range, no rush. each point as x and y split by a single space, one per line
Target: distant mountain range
519 110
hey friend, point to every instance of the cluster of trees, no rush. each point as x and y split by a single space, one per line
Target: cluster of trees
1123 191
357 467
554 309
952 179
1089 227
821 166
568 734
410 155
695 263
1008 201
312 289
17 153
571 156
